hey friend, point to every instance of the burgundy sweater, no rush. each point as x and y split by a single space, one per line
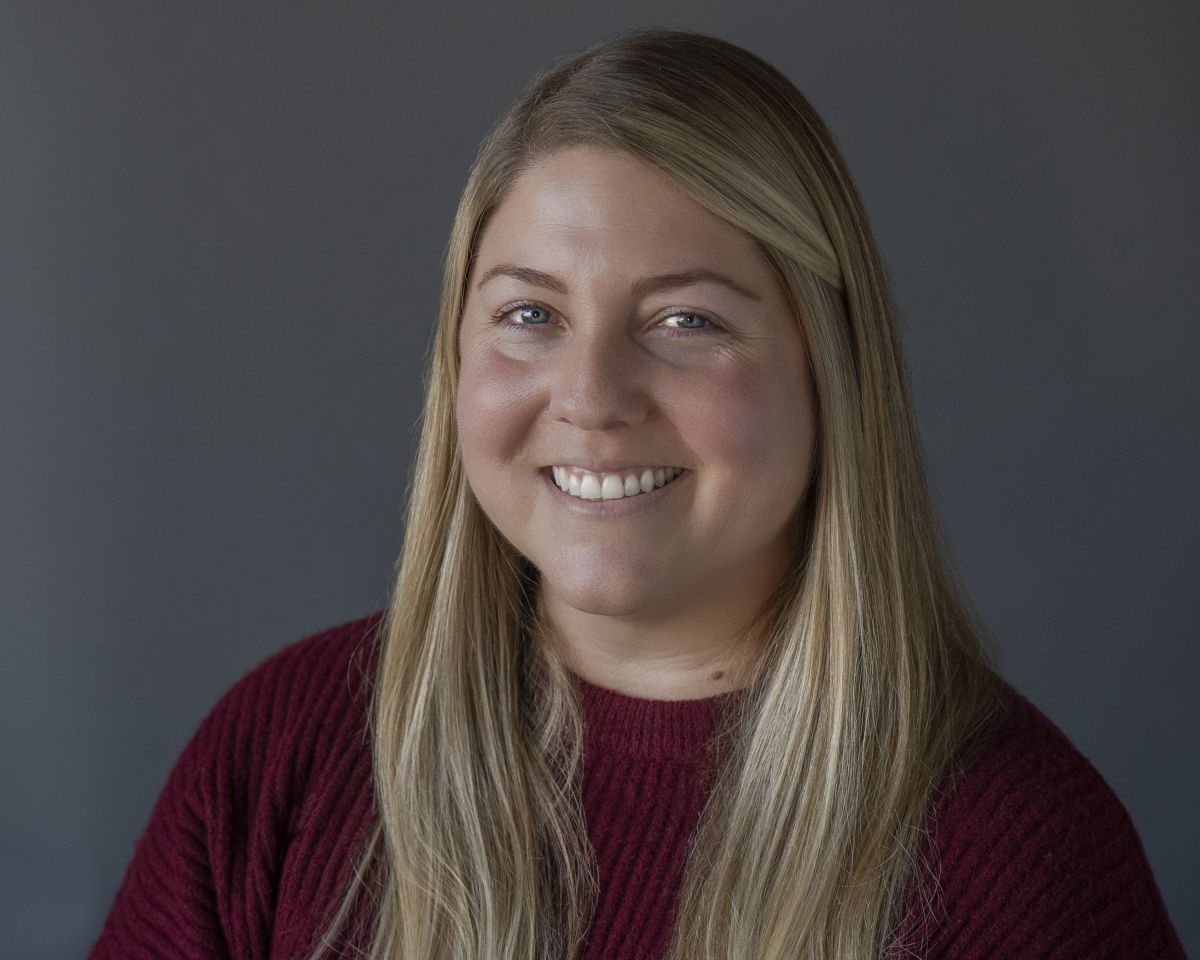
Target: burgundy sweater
253 834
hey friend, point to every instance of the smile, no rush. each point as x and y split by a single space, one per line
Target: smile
589 485
616 506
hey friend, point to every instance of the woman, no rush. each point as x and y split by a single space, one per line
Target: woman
673 666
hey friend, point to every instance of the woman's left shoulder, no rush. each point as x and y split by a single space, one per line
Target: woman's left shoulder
1027 772
1035 855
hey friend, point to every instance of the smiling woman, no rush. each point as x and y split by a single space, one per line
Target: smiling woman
674 666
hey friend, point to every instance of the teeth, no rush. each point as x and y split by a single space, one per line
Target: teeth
612 486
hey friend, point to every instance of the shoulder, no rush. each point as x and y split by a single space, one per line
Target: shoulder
342 654
1035 855
329 669
280 756
1026 772
277 730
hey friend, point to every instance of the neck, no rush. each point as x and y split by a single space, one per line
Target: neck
691 660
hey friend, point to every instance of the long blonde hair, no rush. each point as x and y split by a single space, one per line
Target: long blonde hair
876 675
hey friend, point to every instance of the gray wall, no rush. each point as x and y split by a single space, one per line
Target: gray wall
220 234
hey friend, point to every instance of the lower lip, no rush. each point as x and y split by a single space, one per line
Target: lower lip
602 509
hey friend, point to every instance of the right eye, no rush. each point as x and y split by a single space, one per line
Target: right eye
530 315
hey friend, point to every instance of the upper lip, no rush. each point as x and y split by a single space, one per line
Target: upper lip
594 467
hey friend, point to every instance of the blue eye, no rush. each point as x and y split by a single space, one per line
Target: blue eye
530 313
693 316
539 316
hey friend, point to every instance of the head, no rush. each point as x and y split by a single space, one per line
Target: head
632 195
628 168
615 331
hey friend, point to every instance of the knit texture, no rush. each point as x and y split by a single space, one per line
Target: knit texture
253 835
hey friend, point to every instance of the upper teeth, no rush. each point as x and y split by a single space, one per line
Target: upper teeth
612 486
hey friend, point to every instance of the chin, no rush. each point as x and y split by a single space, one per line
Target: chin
607 596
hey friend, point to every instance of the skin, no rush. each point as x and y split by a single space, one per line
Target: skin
656 604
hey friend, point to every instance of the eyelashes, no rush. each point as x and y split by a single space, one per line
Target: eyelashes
501 319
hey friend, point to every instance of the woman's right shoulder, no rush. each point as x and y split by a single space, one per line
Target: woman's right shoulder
295 711
334 663
282 753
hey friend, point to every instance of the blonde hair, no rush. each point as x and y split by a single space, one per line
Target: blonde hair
876 675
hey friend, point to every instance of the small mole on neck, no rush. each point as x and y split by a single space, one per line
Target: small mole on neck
717 675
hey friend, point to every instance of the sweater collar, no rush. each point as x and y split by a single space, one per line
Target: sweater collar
651 729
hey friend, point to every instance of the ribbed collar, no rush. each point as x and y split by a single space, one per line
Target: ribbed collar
651 729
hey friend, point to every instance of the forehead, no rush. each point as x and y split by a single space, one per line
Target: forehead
592 205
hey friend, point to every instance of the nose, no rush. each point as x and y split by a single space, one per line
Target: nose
598 382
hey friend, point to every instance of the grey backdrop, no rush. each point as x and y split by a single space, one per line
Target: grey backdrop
221 228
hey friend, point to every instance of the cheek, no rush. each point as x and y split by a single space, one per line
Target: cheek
753 417
494 397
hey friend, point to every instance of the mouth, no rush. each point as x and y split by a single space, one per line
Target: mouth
673 479
612 485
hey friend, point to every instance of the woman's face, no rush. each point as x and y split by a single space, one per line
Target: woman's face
614 328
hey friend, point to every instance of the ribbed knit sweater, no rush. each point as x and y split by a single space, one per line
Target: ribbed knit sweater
254 832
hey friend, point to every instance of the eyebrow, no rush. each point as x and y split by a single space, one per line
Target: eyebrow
640 288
